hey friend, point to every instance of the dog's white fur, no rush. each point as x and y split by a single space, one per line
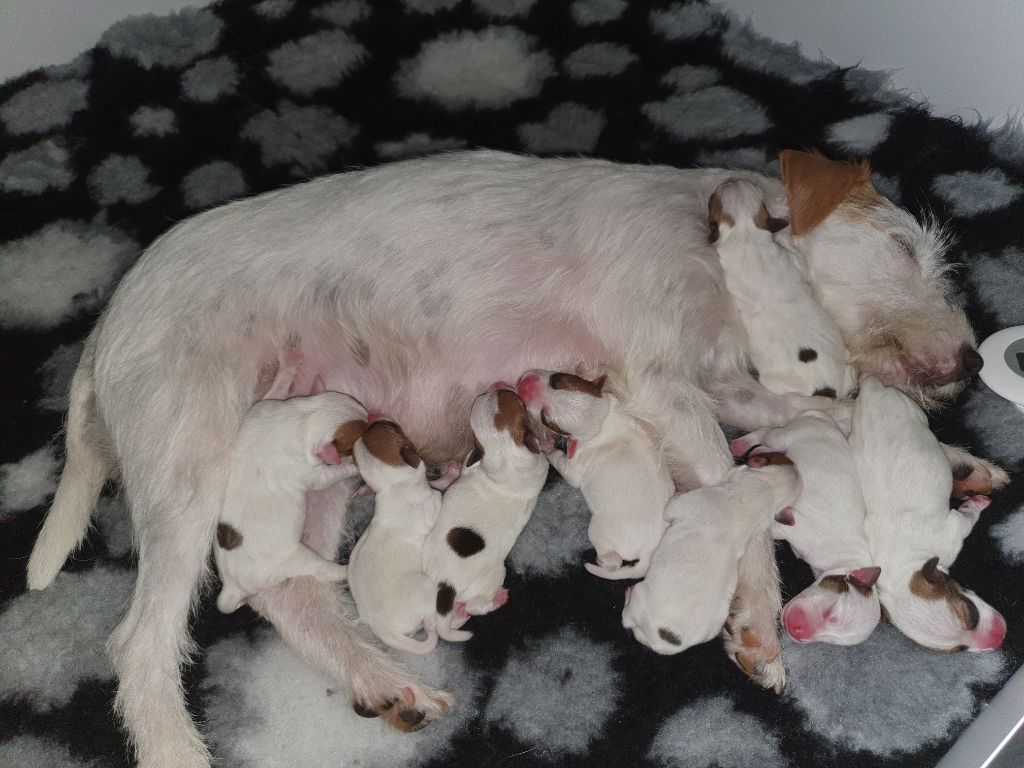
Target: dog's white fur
393 594
783 321
284 450
615 464
906 481
827 533
684 599
411 287
493 498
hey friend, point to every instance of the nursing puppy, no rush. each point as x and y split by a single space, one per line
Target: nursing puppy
794 344
612 460
684 599
284 450
914 535
825 529
530 263
385 572
484 511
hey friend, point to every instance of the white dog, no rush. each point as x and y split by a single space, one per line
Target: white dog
612 459
826 530
914 535
684 599
385 572
484 511
462 268
284 449
794 345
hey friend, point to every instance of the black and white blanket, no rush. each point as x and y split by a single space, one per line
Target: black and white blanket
172 115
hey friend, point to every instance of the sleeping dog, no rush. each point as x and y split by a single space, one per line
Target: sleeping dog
385 572
826 530
284 449
612 459
913 534
483 512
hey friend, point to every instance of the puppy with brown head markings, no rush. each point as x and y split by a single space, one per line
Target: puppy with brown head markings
684 599
825 529
612 459
385 572
914 536
284 449
483 512
793 343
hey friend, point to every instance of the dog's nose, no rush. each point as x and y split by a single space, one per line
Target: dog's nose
970 361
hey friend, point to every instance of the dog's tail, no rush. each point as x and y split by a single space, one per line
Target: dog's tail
408 644
635 571
86 468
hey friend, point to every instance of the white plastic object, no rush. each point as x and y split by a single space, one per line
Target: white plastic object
1003 373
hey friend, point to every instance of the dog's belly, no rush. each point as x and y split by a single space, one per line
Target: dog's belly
429 392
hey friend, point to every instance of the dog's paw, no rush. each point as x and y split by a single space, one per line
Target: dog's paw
754 647
413 708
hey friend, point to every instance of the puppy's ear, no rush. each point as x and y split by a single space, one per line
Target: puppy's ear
409 456
346 436
815 186
531 442
931 573
865 577
599 382
714 217
785 516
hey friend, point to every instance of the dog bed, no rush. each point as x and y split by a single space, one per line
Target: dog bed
171 115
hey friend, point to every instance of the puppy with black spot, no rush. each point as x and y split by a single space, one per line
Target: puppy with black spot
914 535
613 460
284 449
385 572
825 528
794 345
483 512
684 599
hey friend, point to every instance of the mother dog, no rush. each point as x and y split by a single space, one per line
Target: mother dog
412 287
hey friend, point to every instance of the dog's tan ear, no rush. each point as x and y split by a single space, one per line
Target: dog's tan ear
815 186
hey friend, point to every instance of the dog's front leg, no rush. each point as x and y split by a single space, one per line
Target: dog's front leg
697 453
308 614
742 402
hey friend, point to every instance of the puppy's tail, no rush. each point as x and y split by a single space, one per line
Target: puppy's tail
408 644
636 571
86 468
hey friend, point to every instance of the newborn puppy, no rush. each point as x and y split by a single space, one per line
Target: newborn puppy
612 460
284 449
825 530
385 572
914 535
684 600
794 344
483 512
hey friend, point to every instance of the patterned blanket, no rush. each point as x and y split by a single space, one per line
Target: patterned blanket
171 115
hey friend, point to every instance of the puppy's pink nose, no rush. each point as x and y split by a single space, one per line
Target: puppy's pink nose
738 447
373 416
798 624
992 637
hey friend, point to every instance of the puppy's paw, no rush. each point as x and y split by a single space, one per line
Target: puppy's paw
411 709
754 647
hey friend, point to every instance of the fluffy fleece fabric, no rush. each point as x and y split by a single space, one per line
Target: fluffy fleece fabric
171 115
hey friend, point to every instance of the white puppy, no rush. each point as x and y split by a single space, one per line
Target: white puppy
793 343
914 535
684 600
385 573
284 449
825 529
483 512
612 459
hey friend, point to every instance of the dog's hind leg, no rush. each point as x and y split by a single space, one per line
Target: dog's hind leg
151 641
309 616
86 468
